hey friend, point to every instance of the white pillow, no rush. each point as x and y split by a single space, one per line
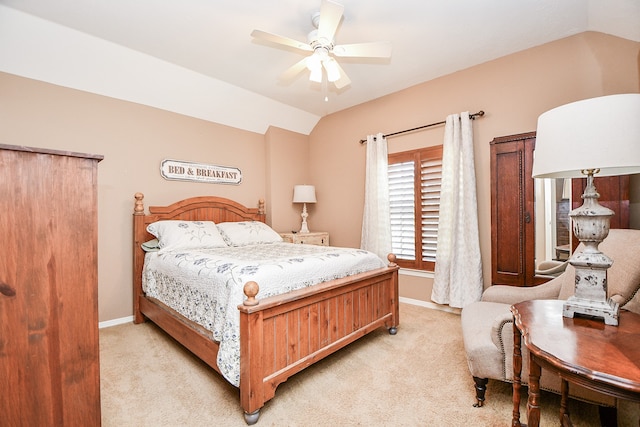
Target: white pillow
248 233
184 235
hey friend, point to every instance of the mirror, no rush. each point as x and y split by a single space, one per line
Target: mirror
552 225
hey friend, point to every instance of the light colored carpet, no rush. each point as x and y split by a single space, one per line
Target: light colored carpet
418 377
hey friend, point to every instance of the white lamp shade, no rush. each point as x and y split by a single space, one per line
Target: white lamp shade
304 194
598 133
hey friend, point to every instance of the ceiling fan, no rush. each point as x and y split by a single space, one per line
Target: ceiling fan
321 43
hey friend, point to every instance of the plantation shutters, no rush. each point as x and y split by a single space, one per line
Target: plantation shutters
414 204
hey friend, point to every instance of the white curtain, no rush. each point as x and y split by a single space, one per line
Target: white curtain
458 273
376 223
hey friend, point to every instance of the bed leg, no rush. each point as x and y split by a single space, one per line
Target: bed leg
252 418
393 330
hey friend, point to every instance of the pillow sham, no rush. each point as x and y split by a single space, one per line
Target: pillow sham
248 233
175 235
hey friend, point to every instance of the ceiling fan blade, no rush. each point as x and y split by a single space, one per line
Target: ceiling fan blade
364 50
330 16
344 80
274 38
294 70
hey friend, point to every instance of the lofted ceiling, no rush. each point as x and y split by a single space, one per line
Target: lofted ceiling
430 38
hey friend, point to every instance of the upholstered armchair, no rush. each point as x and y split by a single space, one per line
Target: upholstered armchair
487 325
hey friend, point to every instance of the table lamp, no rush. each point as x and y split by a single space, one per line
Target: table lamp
304 194
594 136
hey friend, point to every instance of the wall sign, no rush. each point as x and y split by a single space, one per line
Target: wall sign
189 171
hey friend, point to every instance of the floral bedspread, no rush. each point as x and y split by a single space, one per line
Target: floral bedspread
206 285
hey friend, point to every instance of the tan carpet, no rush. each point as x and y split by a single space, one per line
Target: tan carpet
418 377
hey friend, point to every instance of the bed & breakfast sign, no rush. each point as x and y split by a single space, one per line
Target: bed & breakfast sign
200 172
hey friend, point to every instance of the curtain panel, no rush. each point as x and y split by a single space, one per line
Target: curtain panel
458 272
376 222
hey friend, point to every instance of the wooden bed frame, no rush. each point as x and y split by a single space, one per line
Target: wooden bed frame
280 335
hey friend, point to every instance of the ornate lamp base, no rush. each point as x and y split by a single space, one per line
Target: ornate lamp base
608 310
590 296
304 228
591 226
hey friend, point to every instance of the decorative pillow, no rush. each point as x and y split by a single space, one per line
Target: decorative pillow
185 235
248 233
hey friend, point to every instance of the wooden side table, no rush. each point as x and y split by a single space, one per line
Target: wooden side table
314 238
580 350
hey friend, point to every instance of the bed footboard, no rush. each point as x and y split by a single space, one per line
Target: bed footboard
282 335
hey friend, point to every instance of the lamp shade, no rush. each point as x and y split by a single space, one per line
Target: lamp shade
304 194
598 133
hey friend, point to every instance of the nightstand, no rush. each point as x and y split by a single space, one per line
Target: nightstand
314 238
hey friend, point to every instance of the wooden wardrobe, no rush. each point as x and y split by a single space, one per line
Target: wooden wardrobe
49 354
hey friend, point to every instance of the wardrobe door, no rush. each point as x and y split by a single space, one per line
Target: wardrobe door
512 211
49 354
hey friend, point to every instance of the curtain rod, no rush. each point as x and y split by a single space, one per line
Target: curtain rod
471 116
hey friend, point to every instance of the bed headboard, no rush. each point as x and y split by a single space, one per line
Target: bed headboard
204 208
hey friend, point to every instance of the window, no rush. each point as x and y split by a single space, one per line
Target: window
414 204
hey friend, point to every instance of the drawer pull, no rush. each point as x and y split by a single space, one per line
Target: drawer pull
7 290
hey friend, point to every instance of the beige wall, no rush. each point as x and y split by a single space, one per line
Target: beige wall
287 165
134 139
513 91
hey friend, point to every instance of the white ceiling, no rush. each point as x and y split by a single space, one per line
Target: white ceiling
430 38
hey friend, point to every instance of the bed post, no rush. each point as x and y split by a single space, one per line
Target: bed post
395 320
251 357
138 255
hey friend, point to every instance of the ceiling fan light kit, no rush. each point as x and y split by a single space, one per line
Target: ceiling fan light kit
322 45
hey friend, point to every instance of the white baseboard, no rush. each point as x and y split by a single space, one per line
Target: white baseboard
115 322
430 305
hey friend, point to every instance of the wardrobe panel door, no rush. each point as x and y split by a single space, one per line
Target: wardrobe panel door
507 237
48 290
